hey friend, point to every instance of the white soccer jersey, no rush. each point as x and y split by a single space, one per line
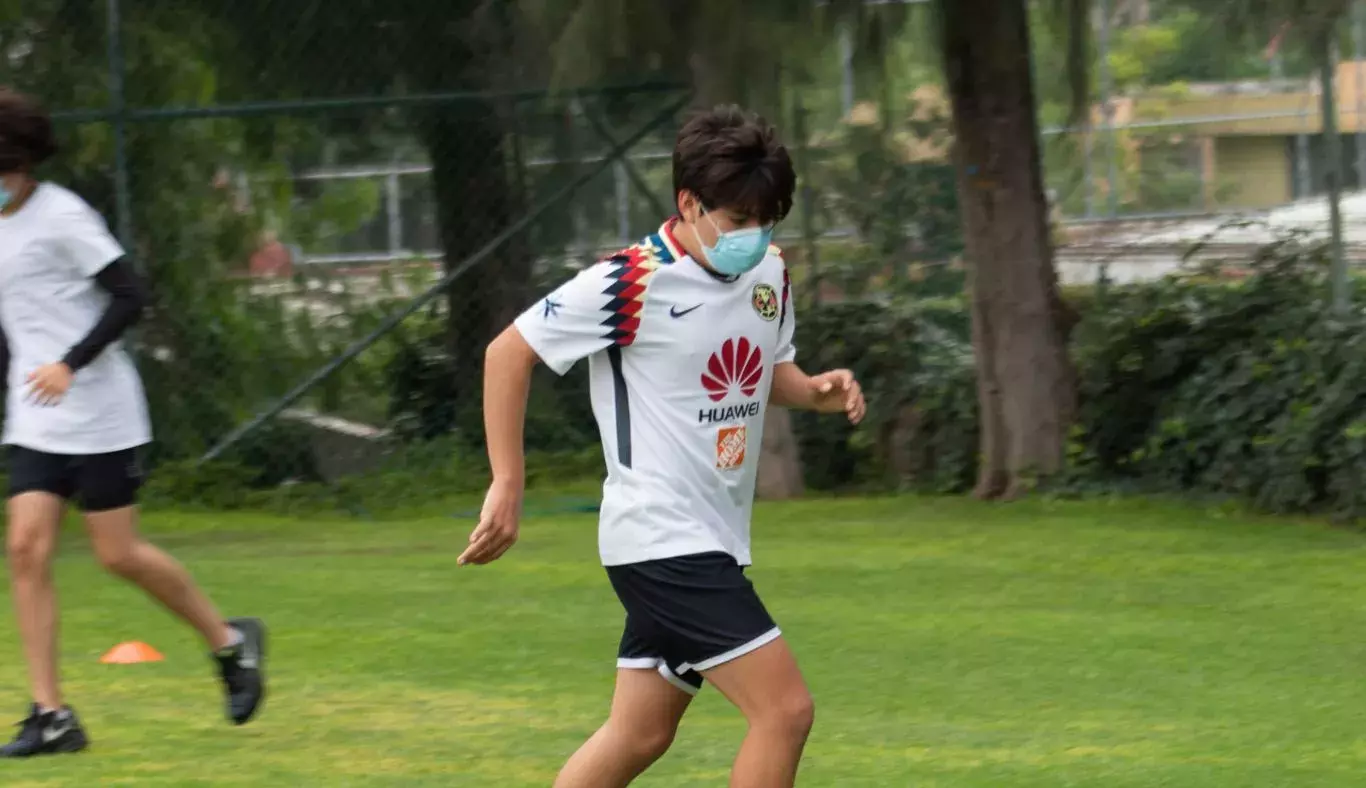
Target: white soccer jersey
681 363
50 250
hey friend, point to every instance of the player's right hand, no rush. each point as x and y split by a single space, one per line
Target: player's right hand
498 524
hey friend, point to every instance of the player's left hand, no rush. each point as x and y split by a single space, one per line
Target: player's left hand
498 524
837 391
49 383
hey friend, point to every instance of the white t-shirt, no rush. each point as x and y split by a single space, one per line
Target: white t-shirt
50 250
681 363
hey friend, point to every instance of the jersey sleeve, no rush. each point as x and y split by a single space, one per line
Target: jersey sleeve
573 322
86 240
126 301
787 329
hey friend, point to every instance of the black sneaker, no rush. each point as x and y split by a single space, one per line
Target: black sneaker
243 669
47 733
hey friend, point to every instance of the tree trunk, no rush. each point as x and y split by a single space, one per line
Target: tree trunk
476 201
1026 384
780 466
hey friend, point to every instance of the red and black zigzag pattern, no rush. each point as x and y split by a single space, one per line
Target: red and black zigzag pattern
630 274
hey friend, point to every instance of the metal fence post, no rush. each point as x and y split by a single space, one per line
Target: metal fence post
393 204
1108 107
118 116
1326 45
1359 115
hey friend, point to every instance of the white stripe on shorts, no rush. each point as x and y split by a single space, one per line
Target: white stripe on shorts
735 653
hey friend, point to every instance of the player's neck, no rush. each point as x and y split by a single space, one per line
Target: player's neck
685 235
22 194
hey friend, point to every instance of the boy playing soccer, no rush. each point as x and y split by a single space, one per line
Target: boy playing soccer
689 339
76 423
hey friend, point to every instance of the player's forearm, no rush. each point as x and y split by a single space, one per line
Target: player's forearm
126 301
791 388
508 363
4 362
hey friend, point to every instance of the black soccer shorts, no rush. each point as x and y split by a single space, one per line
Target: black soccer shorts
95 482
687 615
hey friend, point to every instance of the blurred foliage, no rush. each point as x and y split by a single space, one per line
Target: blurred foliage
892 182
1188 384
1246 387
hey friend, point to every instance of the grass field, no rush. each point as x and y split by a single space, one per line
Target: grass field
947 644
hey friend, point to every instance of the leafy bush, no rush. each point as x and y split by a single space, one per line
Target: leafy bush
1200 383
280 452
411 475
425 403
1142 344
1251 388
914 360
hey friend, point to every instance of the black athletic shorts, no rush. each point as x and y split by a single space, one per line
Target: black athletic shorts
687 615
95 482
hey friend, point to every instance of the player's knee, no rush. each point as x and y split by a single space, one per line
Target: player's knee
652 744
120 558
792 715
647 743
800 713
27 551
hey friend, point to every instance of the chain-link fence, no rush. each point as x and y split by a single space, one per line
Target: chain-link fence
334 221
337 209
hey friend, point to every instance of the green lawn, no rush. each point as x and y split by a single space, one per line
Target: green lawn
947 644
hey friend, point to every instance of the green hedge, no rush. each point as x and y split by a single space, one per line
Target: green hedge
1194 384
1251 388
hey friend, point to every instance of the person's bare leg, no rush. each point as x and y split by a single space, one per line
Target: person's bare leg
646 710
769 690
30 541
125 553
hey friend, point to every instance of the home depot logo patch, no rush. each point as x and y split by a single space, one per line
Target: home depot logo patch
730 447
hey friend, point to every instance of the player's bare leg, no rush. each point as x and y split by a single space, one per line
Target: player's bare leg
30 541
123 552
646 710
238 645
769 690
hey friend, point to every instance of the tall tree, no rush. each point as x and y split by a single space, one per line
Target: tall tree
1026 390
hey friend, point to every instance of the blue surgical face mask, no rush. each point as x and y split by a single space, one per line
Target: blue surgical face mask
5 197
737 251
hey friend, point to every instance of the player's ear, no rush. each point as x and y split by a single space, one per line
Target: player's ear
688 206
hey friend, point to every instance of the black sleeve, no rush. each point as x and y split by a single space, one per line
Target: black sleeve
4 362
128 298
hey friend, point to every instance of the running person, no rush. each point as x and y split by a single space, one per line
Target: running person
689 337
75 421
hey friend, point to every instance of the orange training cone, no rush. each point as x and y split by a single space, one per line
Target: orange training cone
131 653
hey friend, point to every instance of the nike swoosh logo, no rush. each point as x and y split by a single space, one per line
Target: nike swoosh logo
52 734
674 311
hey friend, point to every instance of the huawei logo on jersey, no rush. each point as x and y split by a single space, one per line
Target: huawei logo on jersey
739 364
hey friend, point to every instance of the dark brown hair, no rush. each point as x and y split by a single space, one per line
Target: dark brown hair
732 159
26 136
